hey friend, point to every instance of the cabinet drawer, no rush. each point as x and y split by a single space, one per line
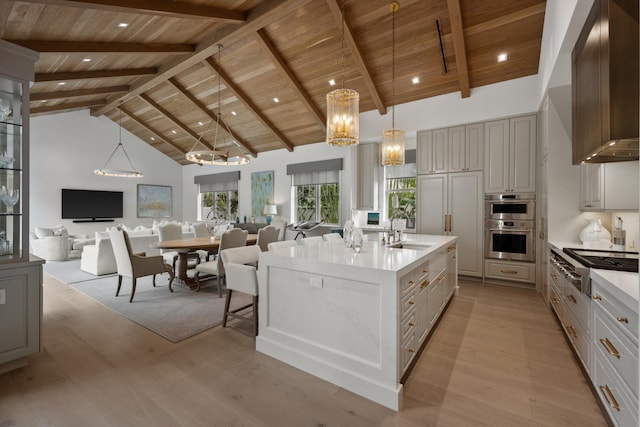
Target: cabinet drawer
408 327
579 338
407 282
579 304
437 264
617 349
626 319
556 303
407 352
408 304
622 408
521 272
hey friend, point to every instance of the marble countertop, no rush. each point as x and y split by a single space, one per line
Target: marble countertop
373 256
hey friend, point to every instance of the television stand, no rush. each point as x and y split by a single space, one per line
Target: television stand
95 220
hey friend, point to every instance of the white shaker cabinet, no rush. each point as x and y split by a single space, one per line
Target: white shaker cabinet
431 151
466 148
368 166
451 204
510 153
609 186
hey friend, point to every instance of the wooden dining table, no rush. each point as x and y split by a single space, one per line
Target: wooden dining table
184 246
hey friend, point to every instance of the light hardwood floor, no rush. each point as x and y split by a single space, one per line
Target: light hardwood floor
498 358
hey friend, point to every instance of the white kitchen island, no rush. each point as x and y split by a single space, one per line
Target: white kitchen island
355 320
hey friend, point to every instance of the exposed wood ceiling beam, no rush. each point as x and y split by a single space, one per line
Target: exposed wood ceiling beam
242 97
183 90
151 129
57 46
79 92
174 119
169 8
287 73
455 17
507 19
97 74
67 106
352 44
265 12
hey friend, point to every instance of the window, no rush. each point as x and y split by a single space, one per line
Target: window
316 191
225 206
218 195
400 191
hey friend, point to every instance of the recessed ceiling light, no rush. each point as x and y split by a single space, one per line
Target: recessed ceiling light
233 113
332 82
173 132
415 80
200 123
502 57
612 143
123 25
276 100
86 60
153 138
62 83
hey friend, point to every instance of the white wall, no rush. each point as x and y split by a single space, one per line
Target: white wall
65 150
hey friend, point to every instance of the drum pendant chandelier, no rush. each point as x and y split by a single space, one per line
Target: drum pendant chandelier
221 155
392 146
343 109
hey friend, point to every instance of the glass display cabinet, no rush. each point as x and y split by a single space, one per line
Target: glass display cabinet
11 170
20 273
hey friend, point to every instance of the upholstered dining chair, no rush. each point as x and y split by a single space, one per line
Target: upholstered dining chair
135 265
174 232
200 229
312 241
267 235
232 238
283 244
241 276
335 237
281 225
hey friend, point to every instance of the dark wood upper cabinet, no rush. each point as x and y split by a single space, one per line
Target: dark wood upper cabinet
605 76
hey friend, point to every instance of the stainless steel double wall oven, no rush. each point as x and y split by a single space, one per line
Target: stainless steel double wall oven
510 226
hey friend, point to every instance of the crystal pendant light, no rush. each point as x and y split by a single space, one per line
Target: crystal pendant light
223 154
105 171
392 146
343 109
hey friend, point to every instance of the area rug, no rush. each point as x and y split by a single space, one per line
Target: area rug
69 271
174 316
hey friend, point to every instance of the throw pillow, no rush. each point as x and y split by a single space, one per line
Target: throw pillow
60 231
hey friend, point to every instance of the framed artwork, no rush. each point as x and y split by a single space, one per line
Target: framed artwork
154 201
261 192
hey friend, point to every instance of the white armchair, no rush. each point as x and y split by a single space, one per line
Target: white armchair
50 248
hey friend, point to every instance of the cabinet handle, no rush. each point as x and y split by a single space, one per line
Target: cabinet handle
555 300
410 350
411 303
451 248
508 271
554 276
609 347
412 324
572 331
424 284
597 297
572 299
587 206
411 282
622 319
606 392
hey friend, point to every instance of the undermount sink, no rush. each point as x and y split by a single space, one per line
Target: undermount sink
410 245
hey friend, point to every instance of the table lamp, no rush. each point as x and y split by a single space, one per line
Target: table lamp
269 211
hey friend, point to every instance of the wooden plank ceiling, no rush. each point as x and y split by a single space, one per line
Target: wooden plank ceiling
163 70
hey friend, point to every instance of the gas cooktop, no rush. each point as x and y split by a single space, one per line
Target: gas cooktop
605 260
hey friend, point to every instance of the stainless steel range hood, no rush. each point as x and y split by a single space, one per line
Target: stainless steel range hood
622 150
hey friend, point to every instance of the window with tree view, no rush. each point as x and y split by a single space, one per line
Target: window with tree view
405 208
220 205
318 202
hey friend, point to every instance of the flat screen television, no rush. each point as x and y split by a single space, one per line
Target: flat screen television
91 204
